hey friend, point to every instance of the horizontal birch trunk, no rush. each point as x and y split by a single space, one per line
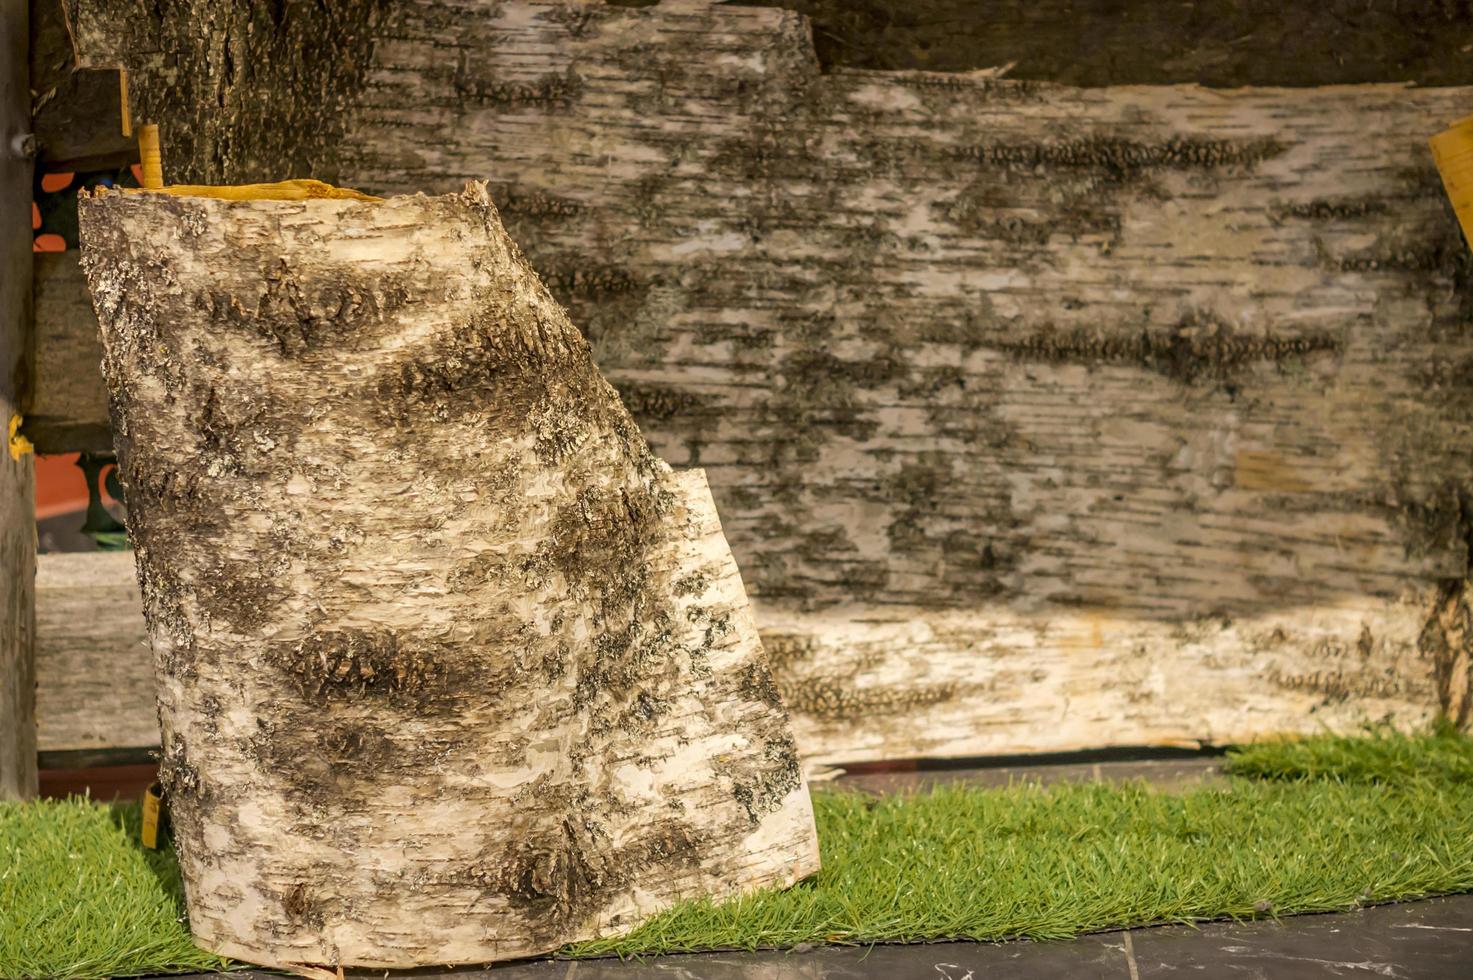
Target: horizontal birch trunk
1039 417
451 668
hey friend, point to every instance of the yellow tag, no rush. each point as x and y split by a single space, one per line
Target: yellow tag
152 803
1452 151
19 444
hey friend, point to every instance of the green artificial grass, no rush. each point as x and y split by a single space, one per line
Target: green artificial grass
79 897
1312 825
1443 756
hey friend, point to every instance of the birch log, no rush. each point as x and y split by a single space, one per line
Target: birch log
451 667
1039 417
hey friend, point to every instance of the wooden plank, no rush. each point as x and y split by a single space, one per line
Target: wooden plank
67 409
94 673
17 479
1038 417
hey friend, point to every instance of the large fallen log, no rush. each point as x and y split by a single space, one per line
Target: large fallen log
1039 417
451 668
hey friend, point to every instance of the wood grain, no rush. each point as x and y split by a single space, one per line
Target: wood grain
17 480
94 672
67 407
1037 416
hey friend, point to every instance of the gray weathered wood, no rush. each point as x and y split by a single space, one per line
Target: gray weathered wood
17 481
94 672
67 408
1038 417
451 668
78 114
80 126
1222 43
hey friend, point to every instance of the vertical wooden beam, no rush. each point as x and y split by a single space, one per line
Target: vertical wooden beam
17 477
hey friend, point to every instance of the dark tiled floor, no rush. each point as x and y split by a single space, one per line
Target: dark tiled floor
1429 940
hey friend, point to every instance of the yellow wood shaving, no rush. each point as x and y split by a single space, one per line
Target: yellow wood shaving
283 190
1452 151
19 444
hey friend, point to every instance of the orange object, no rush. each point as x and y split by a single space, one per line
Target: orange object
60 486
282 190
125 117
1452 151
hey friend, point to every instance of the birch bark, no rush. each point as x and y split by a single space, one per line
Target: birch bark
1040 417
451 667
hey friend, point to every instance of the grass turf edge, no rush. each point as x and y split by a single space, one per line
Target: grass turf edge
1312 825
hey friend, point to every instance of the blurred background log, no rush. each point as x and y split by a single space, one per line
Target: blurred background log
1039 417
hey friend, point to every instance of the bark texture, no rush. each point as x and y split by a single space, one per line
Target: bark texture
451 667
1039 417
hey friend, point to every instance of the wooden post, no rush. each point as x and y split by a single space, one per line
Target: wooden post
17 480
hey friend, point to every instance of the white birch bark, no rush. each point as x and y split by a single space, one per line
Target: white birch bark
1039 417
451 667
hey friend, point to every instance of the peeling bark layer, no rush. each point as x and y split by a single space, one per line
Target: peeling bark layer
451 667
1039 417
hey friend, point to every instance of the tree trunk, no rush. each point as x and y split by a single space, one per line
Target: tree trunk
451 667
1039 417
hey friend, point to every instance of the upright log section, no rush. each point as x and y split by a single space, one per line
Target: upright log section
17 481
1039 417
451 668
